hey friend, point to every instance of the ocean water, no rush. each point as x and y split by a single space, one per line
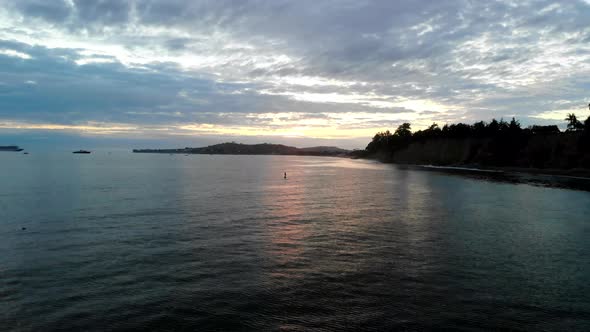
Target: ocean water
171 242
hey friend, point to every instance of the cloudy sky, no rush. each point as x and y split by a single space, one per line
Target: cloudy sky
187 73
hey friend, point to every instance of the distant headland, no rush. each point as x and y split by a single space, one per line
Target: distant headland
255 149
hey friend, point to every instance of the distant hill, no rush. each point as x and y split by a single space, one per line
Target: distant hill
254 149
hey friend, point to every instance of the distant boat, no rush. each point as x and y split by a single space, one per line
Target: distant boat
11 148
81 151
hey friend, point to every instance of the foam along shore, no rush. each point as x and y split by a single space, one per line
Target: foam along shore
581 174
459 168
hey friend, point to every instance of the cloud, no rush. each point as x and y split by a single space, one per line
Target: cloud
16 54
51 11
172 63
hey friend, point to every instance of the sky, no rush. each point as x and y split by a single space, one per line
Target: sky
170 73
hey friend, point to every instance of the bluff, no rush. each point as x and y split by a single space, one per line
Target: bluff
567 150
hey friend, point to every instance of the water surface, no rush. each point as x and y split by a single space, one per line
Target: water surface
147 241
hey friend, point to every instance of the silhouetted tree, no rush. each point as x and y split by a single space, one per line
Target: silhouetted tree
497 143
404 130
458 130
573 123
503 126
493 127
479 129
552 129
381 141
514 126
434 130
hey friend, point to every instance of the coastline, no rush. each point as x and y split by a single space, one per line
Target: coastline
576 179
575 173
569 173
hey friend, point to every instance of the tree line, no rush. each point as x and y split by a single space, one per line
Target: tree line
505 140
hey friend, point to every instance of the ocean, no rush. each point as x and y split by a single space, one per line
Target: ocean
172 242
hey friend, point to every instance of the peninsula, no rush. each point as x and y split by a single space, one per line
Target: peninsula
254 149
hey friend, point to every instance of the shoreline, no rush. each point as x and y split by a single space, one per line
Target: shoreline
571 174
583 174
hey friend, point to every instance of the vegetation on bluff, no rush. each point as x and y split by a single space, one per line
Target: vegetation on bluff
494 143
